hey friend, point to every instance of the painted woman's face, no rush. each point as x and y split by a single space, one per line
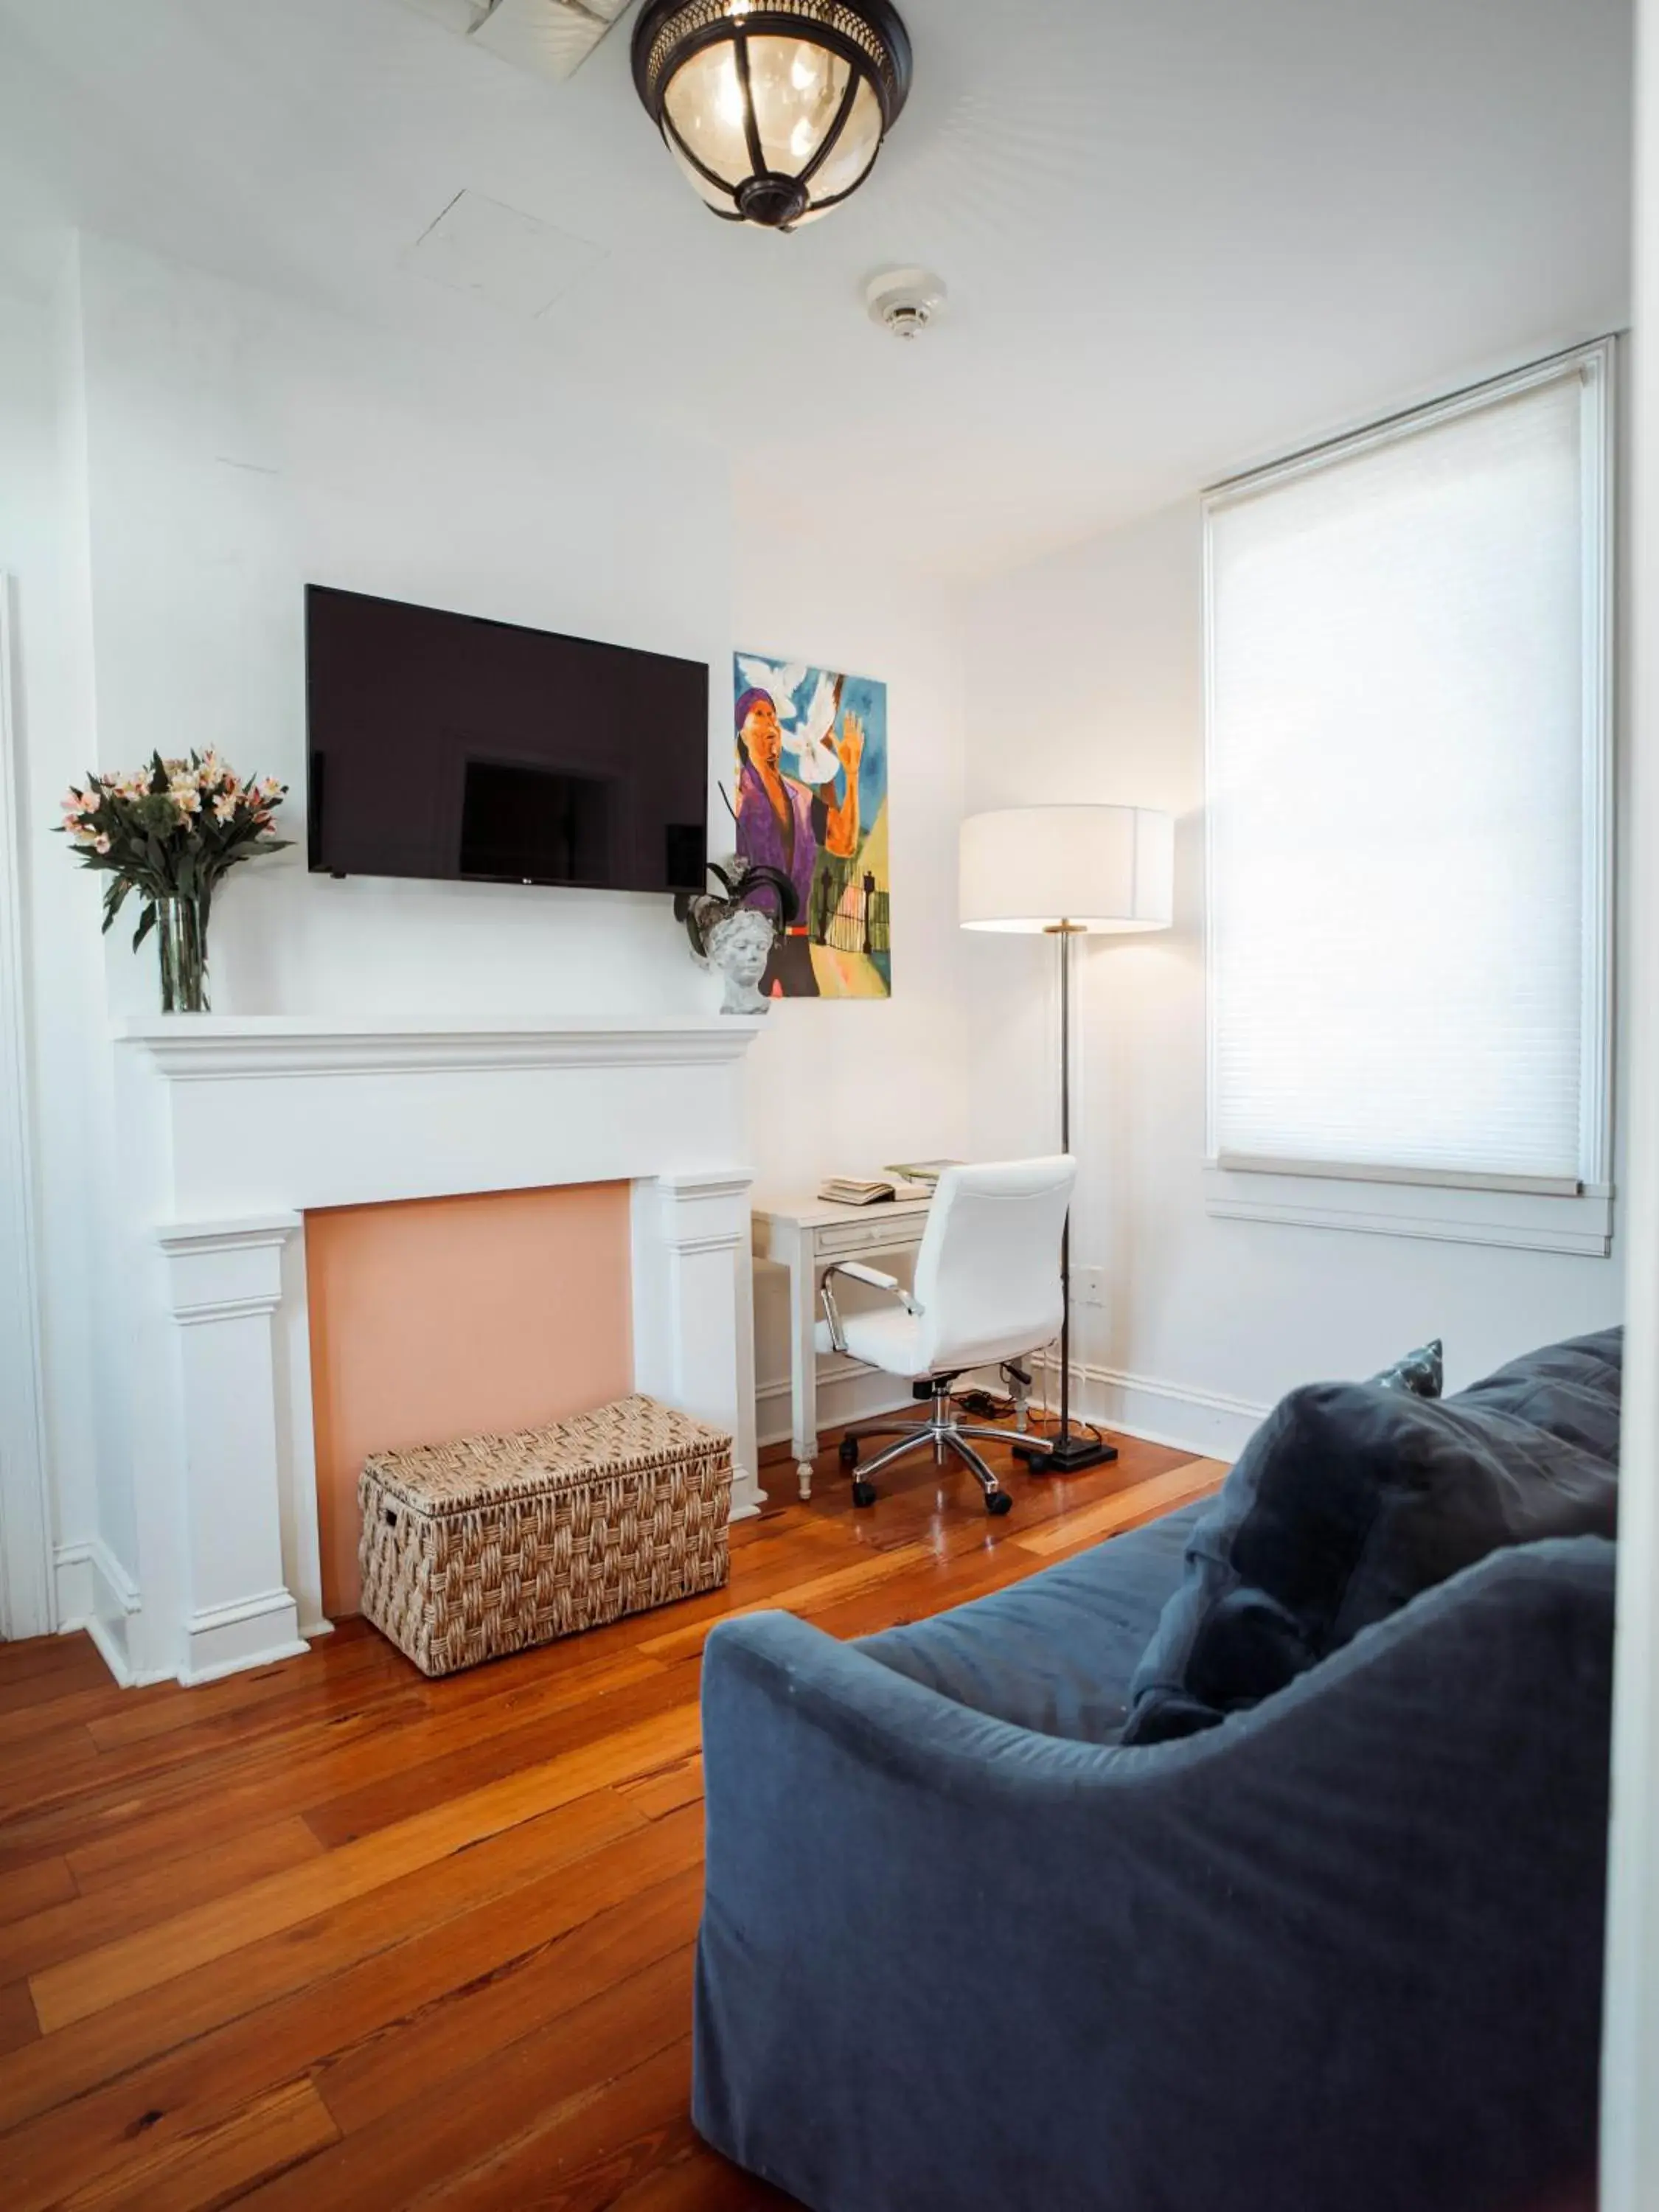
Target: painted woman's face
762 740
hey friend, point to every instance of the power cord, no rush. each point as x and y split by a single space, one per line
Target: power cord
1049 1364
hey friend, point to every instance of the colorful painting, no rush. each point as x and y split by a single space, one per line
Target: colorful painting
813 803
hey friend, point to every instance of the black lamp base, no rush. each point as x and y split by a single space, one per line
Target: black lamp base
1070 1456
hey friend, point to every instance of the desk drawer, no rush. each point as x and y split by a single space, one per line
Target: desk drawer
895 1234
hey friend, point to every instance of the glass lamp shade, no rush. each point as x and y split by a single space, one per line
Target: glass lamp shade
774 110
1093 869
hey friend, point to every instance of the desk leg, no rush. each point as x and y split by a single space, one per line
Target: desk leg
804 1362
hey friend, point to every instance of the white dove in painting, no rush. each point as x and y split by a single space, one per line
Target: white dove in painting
806 730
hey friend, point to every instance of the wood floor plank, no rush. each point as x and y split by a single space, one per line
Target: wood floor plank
654 1795
67 1930
221 2164
301 1772
330 1935
132 1964
698 2180
450 1951
394 2069
1180 1486
802 1597
536 2088
73 1653
34 1889
652 1690
18 2024
106 1827
575 2158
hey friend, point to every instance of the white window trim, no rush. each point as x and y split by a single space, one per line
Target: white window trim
1396 1201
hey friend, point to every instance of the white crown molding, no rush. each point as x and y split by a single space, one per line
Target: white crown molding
206 1048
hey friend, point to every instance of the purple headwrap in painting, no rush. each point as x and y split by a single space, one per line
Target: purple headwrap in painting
750 701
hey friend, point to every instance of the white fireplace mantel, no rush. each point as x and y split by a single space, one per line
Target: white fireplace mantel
232 1128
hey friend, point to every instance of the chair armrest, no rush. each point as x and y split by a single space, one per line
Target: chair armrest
859 1274
873 1276
1344 1949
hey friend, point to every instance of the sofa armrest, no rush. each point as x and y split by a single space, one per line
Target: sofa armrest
1344 1950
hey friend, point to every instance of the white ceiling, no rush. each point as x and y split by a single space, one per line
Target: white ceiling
1179 237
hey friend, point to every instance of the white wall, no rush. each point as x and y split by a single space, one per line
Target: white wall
848 1084
1085 683
38 483
240 448
182 455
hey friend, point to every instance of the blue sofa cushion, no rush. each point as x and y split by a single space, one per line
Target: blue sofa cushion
1351 1498
1056 1653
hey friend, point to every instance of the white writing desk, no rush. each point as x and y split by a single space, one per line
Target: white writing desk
806 1236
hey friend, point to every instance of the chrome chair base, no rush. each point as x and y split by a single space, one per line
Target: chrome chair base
944 1433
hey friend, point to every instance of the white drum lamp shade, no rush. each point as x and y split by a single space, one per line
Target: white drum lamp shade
1109 870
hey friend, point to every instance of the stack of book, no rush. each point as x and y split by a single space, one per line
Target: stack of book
910 1183
924 1172
848 1190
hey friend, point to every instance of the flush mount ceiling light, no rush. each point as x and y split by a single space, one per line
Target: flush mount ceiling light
774 109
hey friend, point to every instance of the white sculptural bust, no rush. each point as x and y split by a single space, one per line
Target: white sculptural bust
739 947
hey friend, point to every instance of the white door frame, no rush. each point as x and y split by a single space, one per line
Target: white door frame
26 1582
1630 2058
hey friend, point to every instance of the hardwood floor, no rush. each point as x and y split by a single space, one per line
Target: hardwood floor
330 1935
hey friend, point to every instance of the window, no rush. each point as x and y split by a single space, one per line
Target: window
1410 814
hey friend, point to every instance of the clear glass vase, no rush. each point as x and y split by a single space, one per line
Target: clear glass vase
181 942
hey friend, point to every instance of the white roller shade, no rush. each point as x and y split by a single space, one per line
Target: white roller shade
1408 813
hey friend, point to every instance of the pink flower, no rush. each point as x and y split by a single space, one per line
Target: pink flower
101 844
185 797
225 805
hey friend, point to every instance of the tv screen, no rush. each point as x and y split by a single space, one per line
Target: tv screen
443 746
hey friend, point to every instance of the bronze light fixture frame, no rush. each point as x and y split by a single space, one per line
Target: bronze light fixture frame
868 35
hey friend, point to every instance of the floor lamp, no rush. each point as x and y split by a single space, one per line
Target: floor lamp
1065 873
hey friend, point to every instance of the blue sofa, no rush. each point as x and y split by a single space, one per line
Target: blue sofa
963 1951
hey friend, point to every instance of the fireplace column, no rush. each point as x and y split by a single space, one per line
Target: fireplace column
694 1338
224 1286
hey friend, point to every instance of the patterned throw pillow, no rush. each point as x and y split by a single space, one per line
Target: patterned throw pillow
1422 1372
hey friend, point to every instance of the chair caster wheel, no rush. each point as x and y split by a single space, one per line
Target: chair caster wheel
849 1451
864 1493
999 1502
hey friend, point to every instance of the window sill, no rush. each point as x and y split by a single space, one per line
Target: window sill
1522 1221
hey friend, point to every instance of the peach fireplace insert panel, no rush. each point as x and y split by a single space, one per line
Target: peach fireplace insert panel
446 1317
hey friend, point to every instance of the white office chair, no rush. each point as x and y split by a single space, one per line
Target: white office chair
988 1289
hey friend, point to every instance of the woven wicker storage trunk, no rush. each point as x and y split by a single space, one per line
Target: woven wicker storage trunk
474 1549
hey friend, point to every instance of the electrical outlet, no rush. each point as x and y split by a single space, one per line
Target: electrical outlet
1088 1286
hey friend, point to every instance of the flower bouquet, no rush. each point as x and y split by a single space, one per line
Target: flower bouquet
169 832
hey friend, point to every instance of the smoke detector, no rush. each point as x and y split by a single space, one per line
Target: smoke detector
905 300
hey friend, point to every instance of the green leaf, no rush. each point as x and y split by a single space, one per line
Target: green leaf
146 923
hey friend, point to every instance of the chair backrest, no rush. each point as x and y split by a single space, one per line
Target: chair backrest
987 1274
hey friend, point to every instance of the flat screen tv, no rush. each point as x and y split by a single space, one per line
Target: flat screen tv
443 746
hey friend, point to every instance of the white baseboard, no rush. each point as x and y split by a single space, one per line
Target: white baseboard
1206 1422
858 1395
228 1639
96 1593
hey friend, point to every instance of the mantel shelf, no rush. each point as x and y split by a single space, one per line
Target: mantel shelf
203 1046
